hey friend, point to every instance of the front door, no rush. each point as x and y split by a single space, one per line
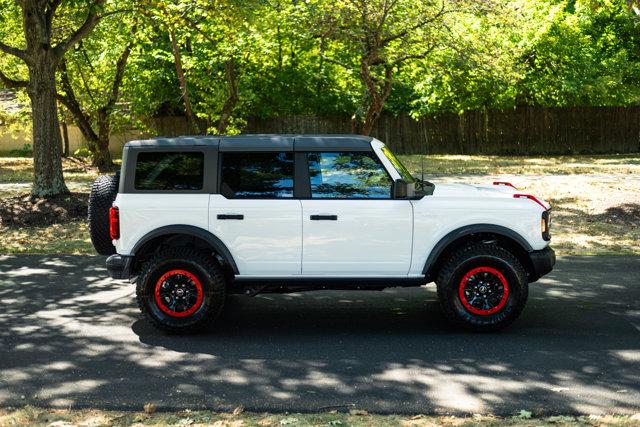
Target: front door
351 225
256 216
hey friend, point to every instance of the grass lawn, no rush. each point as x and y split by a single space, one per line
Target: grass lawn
596 199
43 417
20 170
494 165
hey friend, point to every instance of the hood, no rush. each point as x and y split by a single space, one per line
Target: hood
479 191
467 190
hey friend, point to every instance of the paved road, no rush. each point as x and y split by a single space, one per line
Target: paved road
70 337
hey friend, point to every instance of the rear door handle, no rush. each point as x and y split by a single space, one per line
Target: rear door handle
230 216
323 217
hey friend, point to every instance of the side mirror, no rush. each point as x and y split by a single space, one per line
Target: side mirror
399 189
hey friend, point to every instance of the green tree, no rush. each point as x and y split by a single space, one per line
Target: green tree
46 36
91 77
378 38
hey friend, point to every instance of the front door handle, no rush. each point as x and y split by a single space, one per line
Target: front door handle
323 217
230 216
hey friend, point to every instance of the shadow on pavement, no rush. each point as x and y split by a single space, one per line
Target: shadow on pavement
72 337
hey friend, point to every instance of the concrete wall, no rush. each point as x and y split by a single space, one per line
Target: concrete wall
15 140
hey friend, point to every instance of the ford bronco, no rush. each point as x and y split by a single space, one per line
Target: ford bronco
191 220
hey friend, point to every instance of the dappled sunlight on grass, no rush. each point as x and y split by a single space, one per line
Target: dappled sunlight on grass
70 238
237 418
20 170
584 164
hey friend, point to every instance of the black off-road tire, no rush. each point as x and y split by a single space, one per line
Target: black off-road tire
103 192
204 269
475 257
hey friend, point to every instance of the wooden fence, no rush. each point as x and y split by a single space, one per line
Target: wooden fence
527 130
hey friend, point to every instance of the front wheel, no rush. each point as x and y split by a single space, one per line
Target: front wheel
483 287
181 290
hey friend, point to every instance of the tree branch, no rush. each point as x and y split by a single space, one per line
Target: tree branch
71 102
82 31
335 61
420 24
12 83
13 51
117 80
52 6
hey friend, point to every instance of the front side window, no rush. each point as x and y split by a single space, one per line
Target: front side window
397 164
257 175
345 175
169 171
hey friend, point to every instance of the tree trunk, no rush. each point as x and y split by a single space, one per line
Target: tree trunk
65 137
376 93
47 144
102 156
370 119
182 80
232 95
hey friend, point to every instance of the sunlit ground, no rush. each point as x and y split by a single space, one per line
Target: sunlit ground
43 417
596 199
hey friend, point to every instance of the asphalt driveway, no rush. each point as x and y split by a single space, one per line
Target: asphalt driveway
71 337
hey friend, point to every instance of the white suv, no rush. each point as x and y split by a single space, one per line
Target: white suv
193 219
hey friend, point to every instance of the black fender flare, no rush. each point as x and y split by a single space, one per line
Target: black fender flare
468 230
194 231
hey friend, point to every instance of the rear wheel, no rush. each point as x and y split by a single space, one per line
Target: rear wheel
181 290
483 287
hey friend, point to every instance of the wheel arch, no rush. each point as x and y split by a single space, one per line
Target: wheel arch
457 238
174 232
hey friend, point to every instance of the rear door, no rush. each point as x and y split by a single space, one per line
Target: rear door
256 215
351 225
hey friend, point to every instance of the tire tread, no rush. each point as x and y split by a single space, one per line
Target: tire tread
446 274
216 277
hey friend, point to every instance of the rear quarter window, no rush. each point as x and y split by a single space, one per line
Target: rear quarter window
169 171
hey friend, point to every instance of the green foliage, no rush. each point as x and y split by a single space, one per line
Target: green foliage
25 151
82 152
304 57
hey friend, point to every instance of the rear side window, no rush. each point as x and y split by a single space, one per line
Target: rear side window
257 175
348 176
169 171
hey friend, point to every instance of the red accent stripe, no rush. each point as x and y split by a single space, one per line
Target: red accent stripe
504 183
483 269
530 197
166 309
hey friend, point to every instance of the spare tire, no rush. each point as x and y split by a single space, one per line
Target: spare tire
103 193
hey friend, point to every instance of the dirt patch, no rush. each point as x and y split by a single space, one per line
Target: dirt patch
26 210
627 214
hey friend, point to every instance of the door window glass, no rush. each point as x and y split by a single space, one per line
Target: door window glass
257 175
345 175
169 171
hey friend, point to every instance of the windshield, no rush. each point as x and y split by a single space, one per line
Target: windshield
403 171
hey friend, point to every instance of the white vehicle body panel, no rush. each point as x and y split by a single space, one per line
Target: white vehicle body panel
436 216
142 213
267 241
369 237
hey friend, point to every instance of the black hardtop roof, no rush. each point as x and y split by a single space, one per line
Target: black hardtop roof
263 142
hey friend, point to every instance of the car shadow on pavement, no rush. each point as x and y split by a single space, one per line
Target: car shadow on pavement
72 337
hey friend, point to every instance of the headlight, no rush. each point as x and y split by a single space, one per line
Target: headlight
545 221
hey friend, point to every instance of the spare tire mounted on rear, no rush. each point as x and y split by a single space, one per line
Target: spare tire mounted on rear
103 193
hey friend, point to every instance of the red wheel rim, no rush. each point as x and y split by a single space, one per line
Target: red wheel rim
178 293
483 291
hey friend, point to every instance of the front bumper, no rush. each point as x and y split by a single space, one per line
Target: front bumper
119 266
542 262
